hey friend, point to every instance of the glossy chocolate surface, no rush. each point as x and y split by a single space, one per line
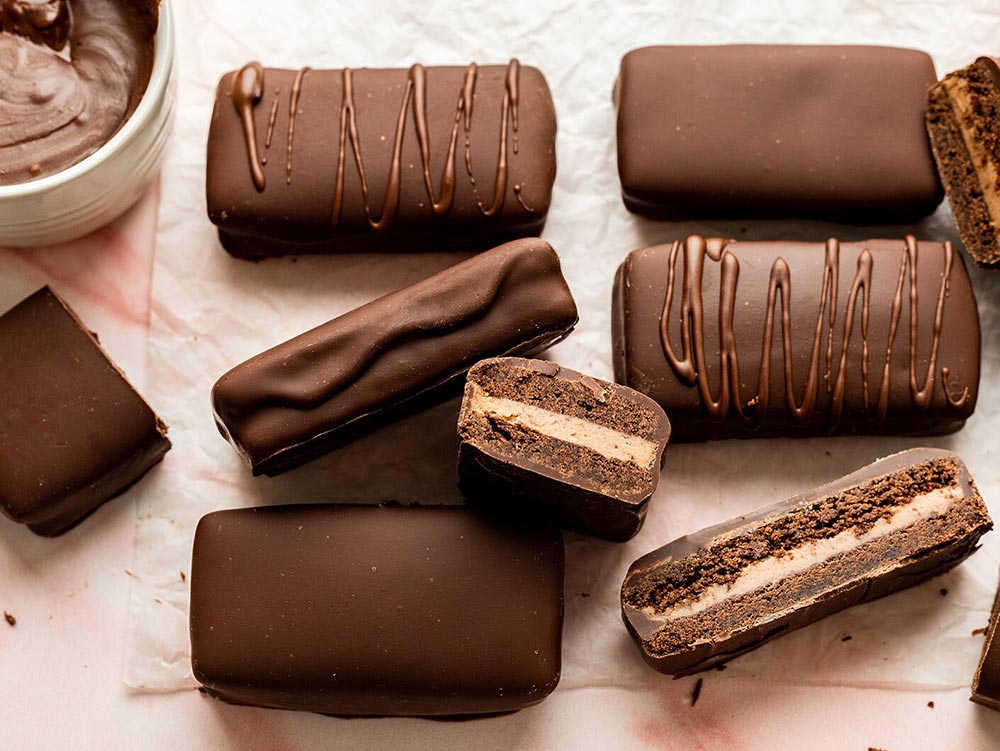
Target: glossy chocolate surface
930 552
73 432
393 355
834 132
315 161
376 610
746 339
524 472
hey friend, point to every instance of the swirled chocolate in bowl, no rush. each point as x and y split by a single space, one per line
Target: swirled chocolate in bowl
71 74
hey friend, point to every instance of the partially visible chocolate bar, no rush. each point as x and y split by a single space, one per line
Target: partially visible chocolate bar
830 132
73 432
713 595
543 440
319 161
986 681
963 120
392 356
750 339
376 610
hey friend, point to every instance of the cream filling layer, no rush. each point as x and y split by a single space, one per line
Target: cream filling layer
609 443
810 554
982 160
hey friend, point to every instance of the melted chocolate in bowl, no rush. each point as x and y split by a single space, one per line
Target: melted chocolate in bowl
71 74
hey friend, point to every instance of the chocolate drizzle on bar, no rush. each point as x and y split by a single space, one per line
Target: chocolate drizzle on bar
248 87
247 92
690 366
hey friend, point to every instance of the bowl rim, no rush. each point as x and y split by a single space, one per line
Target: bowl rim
159 77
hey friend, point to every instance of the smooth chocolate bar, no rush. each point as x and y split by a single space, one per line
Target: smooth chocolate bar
713 595
986 681
376 610
318 161
73 432
392 356
963 120
748 339
543 440
829 132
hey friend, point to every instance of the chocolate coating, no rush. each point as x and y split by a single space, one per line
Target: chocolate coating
396 354
594 473
986 681
748 339
833 132
73 432
928 548
317 161
376 610
56 112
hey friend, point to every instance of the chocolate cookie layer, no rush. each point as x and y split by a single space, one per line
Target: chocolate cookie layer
963 120
375 610
73 432
718 593
393 355
832 132
542 440
319 161
748 339
54 111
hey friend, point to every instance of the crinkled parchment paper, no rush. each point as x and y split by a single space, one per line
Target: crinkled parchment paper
211 312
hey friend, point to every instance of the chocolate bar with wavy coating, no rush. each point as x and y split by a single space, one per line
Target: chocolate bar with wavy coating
396 354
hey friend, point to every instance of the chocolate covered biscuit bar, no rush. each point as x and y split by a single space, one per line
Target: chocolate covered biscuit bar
832 132
73 432
394 355
748 339
318 161
713 595
986 681
376 610
543 440
963 120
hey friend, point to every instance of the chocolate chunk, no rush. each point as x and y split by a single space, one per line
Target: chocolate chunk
56 110
747 339
986 681
319 161
829 132
73 432
397 354
540 439
376 610
718 593
963 120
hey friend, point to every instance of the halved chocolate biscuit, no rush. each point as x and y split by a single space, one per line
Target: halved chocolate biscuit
537 436
715 594
963 120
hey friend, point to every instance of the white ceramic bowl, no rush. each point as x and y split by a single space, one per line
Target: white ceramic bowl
93 192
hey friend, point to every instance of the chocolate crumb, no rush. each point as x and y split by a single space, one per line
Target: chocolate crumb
720 668
979 631
11 620
585 594
944 592
872 748
696 692
183 577
202 690
930 704
846 638
128 573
